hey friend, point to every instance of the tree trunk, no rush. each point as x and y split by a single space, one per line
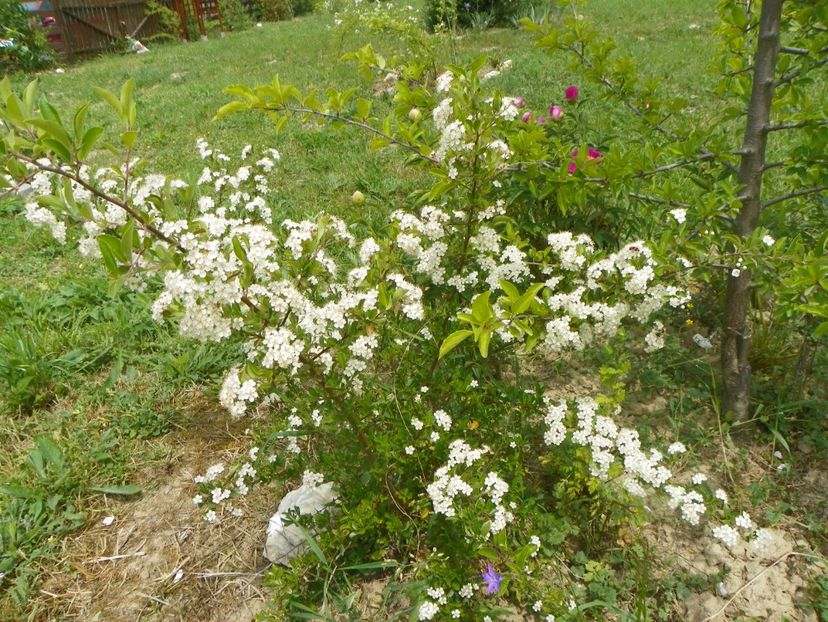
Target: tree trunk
736 334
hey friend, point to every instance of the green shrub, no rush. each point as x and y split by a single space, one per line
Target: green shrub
234 16
169 23
275 10
23 45
303 7
480 13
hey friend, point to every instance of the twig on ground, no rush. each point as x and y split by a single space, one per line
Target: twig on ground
113 558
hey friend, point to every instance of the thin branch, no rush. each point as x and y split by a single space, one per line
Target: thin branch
612 87
789 77
793 195
792 126
145 224
113 558
800 51
669 167
658 200
795 51
754 579
15 189
349 121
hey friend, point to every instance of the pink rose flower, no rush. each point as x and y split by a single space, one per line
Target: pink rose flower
592 154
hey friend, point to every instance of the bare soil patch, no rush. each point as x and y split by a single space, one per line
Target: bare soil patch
160 560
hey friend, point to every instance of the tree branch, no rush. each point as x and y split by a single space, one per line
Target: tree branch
143 222
789 77
793 195
349 121
658 200
795 125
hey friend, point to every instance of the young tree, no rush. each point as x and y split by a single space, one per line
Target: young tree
755 210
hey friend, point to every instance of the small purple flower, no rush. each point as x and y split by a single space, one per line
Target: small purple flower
492 579
526 117
519 102
571 93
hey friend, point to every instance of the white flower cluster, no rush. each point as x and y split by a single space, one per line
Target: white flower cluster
583 312
448 485
612 446
495 488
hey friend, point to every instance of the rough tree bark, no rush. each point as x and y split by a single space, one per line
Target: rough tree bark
736 336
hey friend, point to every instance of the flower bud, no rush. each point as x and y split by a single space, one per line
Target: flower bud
357 198
571 93
526 117
519 102
414 115
556 112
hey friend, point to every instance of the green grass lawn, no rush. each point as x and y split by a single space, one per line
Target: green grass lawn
104 381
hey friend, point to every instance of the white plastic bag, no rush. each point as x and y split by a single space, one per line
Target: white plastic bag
284 541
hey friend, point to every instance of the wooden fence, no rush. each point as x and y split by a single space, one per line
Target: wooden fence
83 27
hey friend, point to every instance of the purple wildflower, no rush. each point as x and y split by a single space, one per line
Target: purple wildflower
492 579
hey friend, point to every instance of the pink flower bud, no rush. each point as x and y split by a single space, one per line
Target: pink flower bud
593 154
519 102
527 116
556 112
541 120
571 93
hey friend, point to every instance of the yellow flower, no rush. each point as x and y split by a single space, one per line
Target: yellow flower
473 425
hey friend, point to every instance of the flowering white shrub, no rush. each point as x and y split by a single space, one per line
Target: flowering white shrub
351 340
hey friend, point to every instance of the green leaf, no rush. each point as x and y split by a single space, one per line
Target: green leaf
453 340
79 120
128 239
14 110
126 490
58 148
48 112
128 138
111 252
481 309
525 301
314 545
50 451
511 291
238 249
363 108
230 107
372 566
483 343
88 141
110 99
53 130
127 89
18 492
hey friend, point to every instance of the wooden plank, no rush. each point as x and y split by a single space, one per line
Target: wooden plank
92 25
116 3
65 35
